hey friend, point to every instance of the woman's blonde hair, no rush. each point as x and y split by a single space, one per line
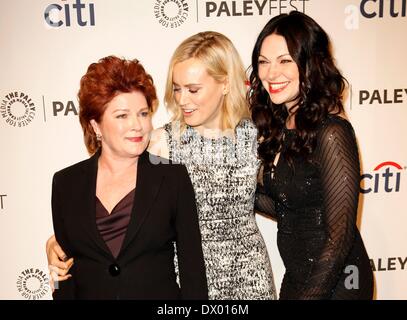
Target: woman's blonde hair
222 62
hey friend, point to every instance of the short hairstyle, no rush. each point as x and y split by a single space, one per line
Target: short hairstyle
103 81
222 62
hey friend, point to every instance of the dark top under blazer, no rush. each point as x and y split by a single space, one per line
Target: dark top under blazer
164 211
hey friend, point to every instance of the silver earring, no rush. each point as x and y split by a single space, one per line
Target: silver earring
98 137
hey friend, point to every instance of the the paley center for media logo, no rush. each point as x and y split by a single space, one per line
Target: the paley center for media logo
33 284
17 109
171 13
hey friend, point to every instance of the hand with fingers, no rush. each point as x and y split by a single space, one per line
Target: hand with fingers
58 263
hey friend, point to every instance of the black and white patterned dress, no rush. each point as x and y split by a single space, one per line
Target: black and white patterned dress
223 172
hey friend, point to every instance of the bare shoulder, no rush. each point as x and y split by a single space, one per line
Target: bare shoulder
158 143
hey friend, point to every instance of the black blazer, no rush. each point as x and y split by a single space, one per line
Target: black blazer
164 211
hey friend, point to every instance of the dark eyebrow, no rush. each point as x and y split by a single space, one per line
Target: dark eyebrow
280 56
285 54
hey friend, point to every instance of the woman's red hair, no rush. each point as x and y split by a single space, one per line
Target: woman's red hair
102 82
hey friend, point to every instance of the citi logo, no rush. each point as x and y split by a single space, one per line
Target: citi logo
373 9
57 16
386 177
383 8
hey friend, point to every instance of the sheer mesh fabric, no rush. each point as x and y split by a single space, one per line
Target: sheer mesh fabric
315 202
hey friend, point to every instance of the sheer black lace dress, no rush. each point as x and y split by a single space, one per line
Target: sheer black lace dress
315 204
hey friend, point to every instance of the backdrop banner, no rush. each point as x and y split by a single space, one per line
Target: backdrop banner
47 46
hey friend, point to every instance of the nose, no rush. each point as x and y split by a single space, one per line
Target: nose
135 123
182 97
272 71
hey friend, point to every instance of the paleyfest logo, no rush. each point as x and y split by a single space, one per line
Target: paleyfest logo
171 13
2 205
33 284
17 109
253 7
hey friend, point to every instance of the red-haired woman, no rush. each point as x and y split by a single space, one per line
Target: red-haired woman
119 212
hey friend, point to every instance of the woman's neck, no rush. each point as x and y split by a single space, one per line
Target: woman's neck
116 165
290 122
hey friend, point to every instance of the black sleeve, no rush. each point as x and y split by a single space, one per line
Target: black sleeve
338 157
189 246
263 202
64 289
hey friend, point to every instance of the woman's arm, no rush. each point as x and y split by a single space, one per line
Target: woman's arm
63 289
263 203
338 157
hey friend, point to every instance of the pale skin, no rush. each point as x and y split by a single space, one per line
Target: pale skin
194 90
200 97
279 75
125 130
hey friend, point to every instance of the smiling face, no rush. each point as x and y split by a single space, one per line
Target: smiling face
198 94
278 71
125 125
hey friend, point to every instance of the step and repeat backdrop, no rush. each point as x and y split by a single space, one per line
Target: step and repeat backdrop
47 45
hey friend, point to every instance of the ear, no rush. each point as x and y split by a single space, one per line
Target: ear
226 86
95 126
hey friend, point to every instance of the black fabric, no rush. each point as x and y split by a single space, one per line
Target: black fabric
163 212
315 202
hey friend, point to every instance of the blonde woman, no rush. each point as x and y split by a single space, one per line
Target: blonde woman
212 135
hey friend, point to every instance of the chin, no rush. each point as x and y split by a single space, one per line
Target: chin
191 123
278 101
137 152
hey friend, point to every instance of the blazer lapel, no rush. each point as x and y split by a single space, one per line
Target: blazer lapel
149 180
89 203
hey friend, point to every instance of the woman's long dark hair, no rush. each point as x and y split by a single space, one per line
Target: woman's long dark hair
320 92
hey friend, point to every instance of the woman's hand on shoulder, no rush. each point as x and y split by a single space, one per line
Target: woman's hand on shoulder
158 143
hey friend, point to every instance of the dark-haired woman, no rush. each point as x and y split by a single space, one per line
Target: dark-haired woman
310 181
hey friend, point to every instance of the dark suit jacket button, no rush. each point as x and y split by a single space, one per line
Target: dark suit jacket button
114 270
